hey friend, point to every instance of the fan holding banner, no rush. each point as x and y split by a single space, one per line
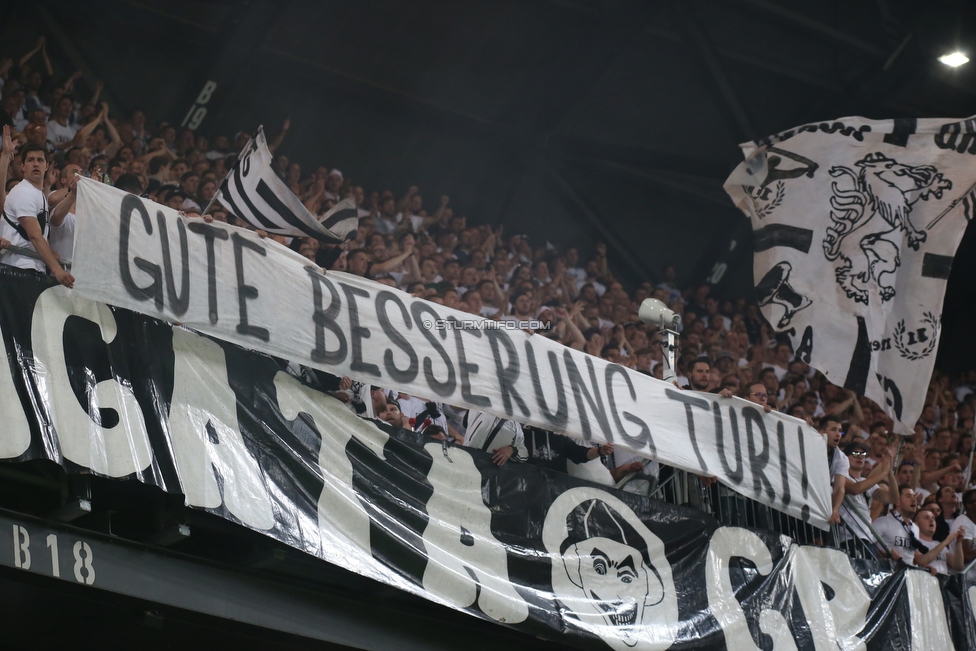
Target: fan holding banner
254 193
855 226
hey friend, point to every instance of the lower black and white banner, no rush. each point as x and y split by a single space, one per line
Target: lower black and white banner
126 396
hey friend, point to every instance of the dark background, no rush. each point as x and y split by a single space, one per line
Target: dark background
573 121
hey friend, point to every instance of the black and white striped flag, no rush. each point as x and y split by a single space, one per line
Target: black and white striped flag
254 193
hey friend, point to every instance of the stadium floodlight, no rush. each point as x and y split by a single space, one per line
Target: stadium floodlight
654 312
954 59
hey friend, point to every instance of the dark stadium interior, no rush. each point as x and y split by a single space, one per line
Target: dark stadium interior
572 121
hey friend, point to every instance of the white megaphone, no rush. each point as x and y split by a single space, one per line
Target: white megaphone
655 313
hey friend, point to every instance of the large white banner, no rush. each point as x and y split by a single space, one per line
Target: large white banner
855 225
229 283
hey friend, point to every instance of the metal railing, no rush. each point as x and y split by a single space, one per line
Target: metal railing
732 509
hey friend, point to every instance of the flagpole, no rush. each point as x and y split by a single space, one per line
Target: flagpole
852 508
31 253
972 451
951 206
213 200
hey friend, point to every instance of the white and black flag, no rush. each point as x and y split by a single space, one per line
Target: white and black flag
254 193
855 226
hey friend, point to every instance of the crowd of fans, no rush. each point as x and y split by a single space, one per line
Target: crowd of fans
914 499
915 492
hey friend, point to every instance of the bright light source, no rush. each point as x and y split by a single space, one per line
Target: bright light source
954 60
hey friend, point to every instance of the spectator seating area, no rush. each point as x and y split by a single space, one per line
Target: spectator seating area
427 246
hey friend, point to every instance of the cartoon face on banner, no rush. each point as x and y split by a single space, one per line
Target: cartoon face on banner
609 572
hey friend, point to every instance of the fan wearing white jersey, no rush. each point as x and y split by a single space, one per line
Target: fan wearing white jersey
967 523
501 438
941 556
25 218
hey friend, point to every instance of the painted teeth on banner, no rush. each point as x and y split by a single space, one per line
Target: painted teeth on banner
855 226
229 283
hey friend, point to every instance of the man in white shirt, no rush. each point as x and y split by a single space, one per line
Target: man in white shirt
359 195
781 361
521 309
573 270
333 183
626 462
855 512
62 237
757 394
967 522
385 220
939 556
877 443
897 528
605 314
425 411
501 438
831 429
25 218
668 284
489 293
592 270
60 132
948 500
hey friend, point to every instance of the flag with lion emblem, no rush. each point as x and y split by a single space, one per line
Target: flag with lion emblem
855 226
